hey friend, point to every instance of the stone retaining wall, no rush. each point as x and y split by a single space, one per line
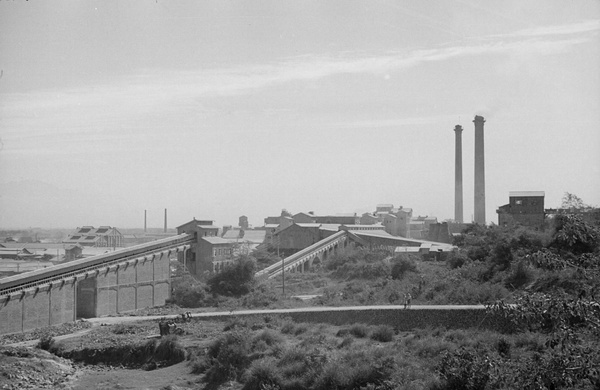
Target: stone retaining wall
400 319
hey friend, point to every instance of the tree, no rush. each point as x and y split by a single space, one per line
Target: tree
236 279
573 202
572 234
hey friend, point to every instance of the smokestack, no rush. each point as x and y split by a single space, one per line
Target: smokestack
458 181
479 171
145 220
165 221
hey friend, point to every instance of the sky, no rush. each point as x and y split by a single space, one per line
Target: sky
217 109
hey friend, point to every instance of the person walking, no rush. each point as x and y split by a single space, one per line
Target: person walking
407 300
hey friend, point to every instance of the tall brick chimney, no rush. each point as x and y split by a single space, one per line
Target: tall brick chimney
479 171
145 220
165 230
458 181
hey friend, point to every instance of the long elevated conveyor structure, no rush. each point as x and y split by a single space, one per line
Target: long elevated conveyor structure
124 280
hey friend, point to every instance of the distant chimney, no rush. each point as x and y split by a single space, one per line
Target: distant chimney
479 171
165 230
458 181
145 220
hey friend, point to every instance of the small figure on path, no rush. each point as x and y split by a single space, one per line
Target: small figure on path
407 299
163 327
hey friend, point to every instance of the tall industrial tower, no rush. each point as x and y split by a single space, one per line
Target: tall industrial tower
458 181
165 229
479 171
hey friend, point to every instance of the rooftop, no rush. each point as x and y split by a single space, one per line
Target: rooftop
525 193
216 240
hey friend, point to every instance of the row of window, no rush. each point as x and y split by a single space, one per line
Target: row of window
222 251
522 202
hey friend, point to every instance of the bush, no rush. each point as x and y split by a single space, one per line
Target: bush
263 374
188 292
169 350
362 271
269 337
464 370
520 276
227 357
260 296
403 264
355 256
574 235
456 259
46 342
347 341
291 328
124 329
359 330
502 254
383 333
351 372
236 279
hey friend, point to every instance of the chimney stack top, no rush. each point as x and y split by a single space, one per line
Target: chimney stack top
478 118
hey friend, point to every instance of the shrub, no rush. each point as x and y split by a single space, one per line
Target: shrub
263 374
463 369
228 357
456 259
362 271
269 337
503 347
170 350
520 276
403 264
235 323
188 292
359 330
124 329
355 256
46 342
502 254
351 372
236 279
260 296
347 341
383 333
574 235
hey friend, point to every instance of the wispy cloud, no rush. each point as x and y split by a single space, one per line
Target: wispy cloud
556 30
168 92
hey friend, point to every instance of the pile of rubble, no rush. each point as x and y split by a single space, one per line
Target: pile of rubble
32 368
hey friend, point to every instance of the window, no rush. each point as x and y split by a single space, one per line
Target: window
519 202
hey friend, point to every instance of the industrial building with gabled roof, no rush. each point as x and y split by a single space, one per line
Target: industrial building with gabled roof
103 236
